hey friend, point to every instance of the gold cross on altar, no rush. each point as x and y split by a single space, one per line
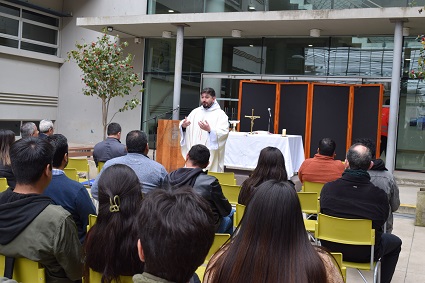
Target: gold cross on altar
252 117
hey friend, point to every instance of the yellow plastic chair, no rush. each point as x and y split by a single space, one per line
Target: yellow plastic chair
92 221
82 166
219 240
237 217
350 232
231 192
338 260
3 184
100 166
227 178
311 187
96 277
71 173
200 271
309 205
25 270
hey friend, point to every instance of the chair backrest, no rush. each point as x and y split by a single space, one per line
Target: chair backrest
309 202
311 187
92 220
231 192
25 270
100 166
219 240
71 173
237 217
227 178
81 164
346 231
3 184
96 277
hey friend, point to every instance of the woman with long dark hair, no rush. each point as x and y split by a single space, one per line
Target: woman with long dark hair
271 244
110 245
271 165
7 137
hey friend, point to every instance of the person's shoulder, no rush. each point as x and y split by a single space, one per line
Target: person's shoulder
54 215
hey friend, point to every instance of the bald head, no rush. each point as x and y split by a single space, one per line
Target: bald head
359 157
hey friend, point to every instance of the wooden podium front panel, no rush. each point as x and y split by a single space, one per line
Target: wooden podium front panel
168 147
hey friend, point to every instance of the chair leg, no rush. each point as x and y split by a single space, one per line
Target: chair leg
361 274
377 272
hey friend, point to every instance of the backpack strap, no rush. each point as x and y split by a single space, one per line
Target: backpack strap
9 262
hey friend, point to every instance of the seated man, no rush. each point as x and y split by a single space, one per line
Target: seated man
322 168
111 147
176 231
207 186
383 179
68 193
151 174
29 129
46 128
354 196
30 225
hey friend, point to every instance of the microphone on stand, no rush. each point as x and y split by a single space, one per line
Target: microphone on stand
270 116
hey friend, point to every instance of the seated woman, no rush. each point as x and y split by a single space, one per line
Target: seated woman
271 244
110 246
7 137
271 165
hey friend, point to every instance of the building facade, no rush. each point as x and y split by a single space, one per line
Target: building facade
213 43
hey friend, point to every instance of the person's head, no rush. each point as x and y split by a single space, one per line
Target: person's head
31 161
327 147
369 143
270 165
46 127
199 156
359 157
110 245
272 236
7 137
176 231
60 147
137 142
207 97
29 130
114 129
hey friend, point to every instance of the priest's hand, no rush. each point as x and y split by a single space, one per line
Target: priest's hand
186 123
204 126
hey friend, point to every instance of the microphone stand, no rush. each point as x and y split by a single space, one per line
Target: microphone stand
156 126
268 128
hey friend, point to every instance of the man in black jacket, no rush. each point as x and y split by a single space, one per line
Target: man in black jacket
207 186
354 196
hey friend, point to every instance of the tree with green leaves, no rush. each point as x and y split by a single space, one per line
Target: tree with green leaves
107 73
419 72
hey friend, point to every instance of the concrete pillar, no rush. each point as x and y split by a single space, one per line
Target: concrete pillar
395 96
178 72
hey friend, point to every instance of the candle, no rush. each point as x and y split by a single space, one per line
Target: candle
283 132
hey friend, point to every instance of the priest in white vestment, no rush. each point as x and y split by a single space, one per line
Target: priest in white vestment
207 125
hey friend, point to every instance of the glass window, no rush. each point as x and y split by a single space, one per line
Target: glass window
14 11
14 126
242 56
9 42
38 48
38 33
40 18
9 26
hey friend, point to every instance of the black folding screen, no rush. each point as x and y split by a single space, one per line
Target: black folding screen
292 108
260 97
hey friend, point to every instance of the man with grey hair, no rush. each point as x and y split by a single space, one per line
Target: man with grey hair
46 128
354 196
29 129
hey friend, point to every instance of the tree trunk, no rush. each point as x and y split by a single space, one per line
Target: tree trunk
104 117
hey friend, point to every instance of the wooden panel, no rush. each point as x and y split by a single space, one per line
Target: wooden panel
168 146
260 97
366 113
330 116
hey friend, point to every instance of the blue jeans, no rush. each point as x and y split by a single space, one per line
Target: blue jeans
226 224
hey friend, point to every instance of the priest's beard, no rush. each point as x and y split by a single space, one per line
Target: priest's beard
207 106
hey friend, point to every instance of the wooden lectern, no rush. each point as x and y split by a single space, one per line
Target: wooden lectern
168 145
